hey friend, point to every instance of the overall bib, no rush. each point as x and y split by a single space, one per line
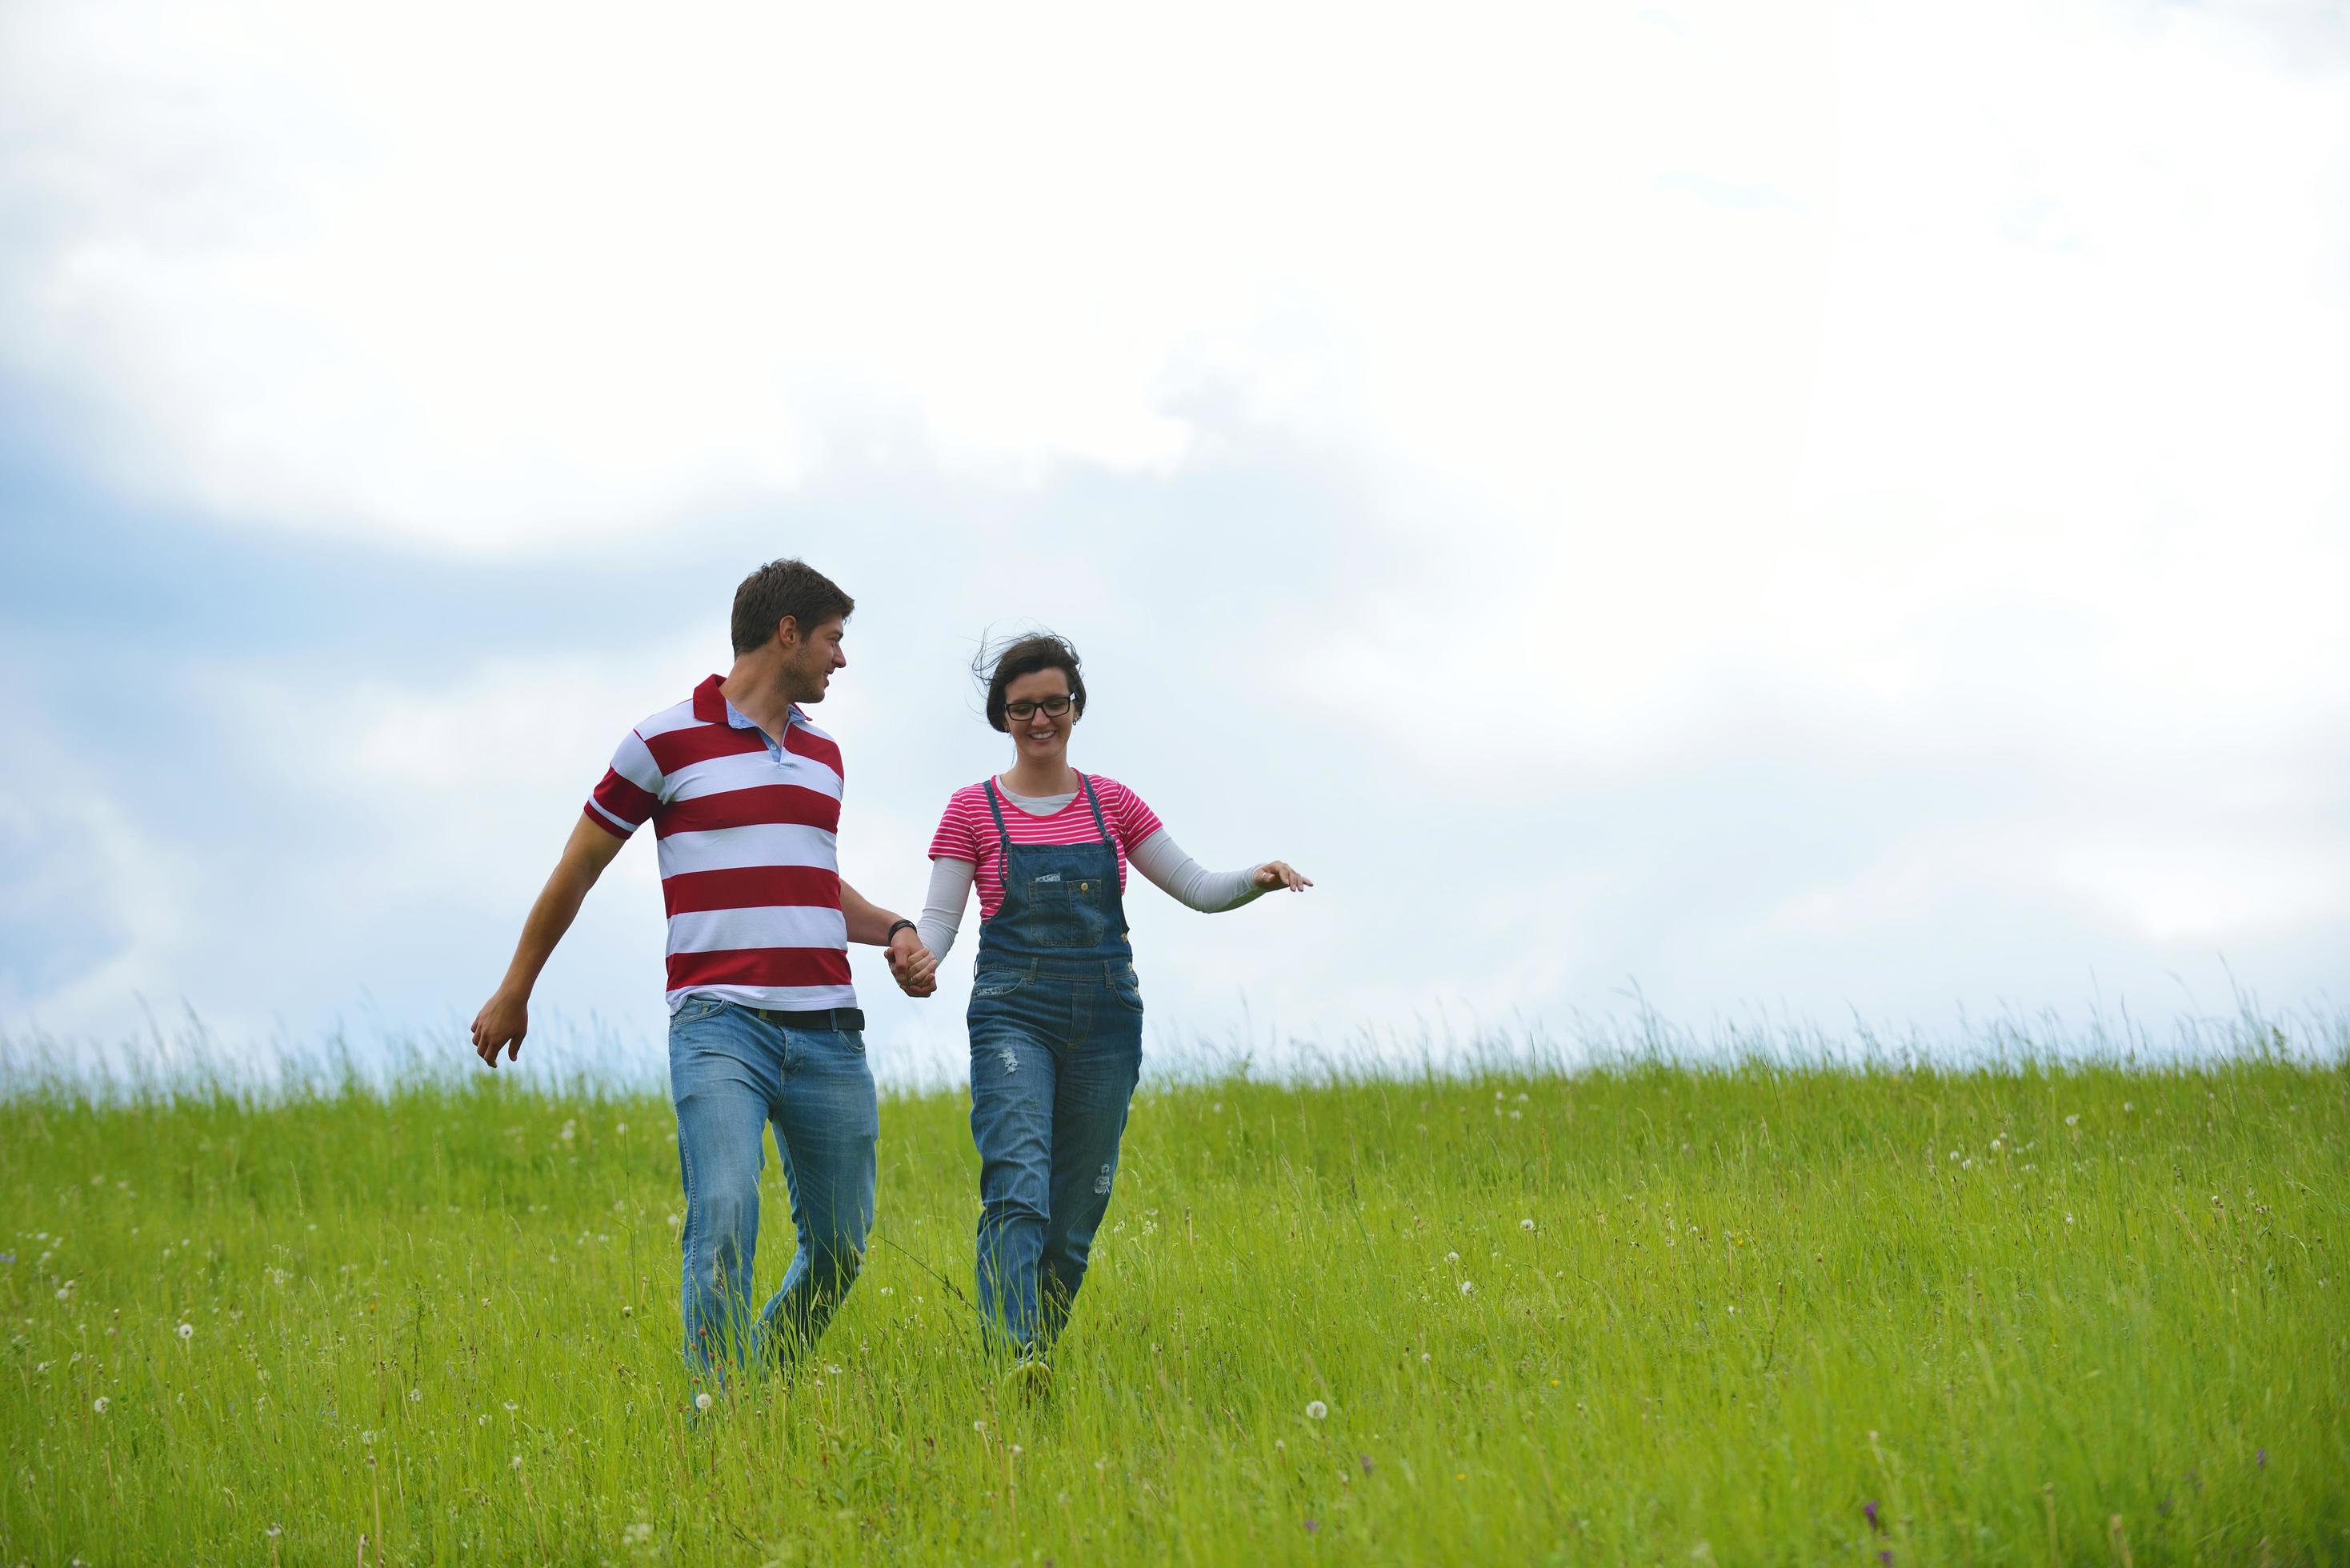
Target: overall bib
1056 1024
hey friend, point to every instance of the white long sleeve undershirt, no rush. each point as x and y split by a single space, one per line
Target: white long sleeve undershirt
1158 858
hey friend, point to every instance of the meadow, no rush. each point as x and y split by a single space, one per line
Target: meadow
1643 1312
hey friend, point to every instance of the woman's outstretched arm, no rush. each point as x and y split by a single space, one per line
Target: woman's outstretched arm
1189 883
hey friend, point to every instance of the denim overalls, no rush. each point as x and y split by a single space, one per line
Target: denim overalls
1055 1045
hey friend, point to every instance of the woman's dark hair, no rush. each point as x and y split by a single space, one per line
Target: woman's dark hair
1000 664
782 588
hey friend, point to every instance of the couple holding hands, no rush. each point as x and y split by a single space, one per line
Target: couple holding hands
744 794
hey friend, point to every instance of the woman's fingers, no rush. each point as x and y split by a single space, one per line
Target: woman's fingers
1282 874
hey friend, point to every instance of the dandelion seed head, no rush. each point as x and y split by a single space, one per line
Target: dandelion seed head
701 1400
1315 1410
1526 1224
186 1331
100 1404
511 1406
1467 1288
2074 1120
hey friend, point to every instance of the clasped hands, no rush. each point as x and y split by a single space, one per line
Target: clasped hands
912 965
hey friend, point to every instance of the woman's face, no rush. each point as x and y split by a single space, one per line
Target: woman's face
1041 736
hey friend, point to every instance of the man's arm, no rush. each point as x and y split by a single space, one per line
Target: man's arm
505 1017
910 960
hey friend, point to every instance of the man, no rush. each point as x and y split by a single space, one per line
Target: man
744 794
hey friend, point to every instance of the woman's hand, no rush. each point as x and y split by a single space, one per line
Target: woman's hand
1280 873
912 965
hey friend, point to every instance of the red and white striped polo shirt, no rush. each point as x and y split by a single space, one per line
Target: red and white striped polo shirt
749 851
967 831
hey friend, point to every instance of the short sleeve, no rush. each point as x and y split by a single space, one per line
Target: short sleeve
1136 820
630 788
956 839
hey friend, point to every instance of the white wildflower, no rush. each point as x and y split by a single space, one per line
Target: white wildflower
2074 1120
186 1331
1526 1224
416 1396
100 1404
1467 1288
1316 1409
701 1400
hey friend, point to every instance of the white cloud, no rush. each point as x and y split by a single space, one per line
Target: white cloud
1939 405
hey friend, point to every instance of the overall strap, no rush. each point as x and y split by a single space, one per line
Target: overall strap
1094 801
1002 834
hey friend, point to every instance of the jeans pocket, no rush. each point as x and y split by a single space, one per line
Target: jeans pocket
696 1008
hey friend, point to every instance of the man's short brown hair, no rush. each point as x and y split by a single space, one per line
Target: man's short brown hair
781 588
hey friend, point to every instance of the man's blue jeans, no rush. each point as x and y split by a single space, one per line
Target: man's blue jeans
1055 1053
731 1073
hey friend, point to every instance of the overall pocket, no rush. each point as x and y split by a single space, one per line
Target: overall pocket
997 982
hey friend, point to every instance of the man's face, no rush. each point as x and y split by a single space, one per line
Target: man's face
808 664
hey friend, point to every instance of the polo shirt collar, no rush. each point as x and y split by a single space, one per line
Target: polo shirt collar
710 706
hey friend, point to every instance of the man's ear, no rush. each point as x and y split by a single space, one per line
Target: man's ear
787 630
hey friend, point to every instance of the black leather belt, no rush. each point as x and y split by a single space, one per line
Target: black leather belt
843 1019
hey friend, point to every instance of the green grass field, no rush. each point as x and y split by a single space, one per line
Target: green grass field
2089 1316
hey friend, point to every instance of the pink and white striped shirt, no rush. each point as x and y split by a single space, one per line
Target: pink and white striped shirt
749 851
966 832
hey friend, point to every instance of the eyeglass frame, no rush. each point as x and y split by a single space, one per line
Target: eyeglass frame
1066 701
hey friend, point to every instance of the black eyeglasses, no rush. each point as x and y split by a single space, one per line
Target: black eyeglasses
1054 705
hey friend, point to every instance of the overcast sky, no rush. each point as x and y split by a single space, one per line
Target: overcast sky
1804 510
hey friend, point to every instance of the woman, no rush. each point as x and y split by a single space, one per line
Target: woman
1055 1016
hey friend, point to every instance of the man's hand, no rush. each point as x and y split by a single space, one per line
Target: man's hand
1282 874
913 965
505 1017
503 1020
